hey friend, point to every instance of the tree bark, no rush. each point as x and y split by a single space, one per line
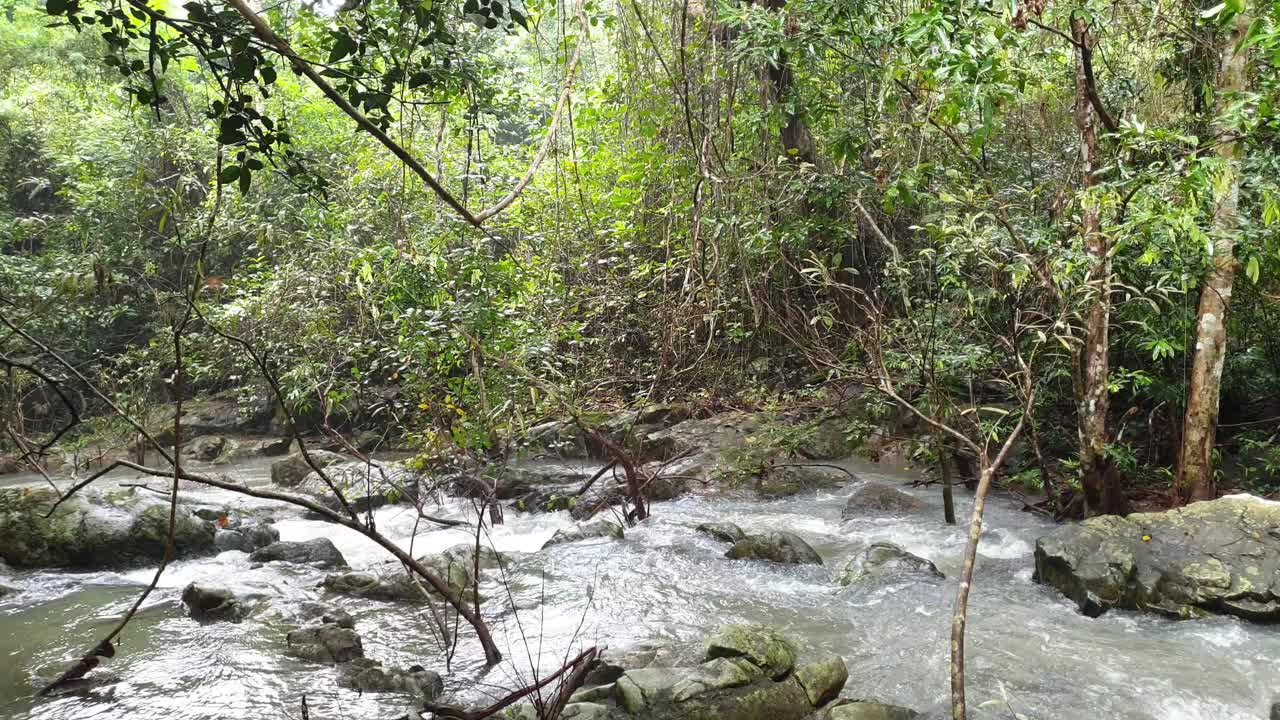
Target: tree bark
794 135
1195 479
1097 477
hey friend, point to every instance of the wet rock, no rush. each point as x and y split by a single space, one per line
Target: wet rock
1220 556
367 675
597 529
885 560
95 528
339 617
246 538
271 447
1275 711
455 566
780 547
225 414
724 532
324 643
6 588
211 603
364 486
294 469
760 645
875 497
823 680
317 551
866 710
209 448
368 441
787 479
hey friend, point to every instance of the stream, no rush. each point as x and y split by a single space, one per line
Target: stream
1030 654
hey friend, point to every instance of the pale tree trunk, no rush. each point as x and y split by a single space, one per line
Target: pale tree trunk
1092 363
1199 428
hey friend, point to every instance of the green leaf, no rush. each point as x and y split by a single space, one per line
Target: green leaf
245 177
229 174
343 45
1251 269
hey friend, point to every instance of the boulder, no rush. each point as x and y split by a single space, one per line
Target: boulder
272 447
211 603
759 645
825 438
779 547
787 479
209 448
246 538
875 497
885 560
317 551
365 487
325 643
1219 556
724 532
597 529
455 565
822 680
294 469
367 675
867 710
95 528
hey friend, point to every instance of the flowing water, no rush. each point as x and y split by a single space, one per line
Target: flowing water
1030 654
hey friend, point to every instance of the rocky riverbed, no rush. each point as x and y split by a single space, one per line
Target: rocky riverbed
859 571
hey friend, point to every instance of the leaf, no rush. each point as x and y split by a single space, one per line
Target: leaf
245 177
229 174
1251 269
1213 10
343 45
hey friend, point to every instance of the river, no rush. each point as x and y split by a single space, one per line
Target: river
1030 654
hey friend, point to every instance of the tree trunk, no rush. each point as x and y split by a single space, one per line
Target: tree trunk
1092 363
794 135
1199 428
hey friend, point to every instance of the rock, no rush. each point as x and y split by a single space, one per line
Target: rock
339 617
1275 711
272 447
95 528
724 532
367 441
324 643
364 486
246 538
456 566
758 644
317 551
367 675
294 469
597 529
779 547
825 438
7 589
884 560
785 480
823 680
208 448
874 497
1219 556
210 603
225 414
865 710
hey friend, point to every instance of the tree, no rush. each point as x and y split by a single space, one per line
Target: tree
1195 478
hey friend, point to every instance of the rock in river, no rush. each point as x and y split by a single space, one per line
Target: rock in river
597 529
1218 556
724 532
94 528
324 643
885 560
317 551
779 547
874 497
211 603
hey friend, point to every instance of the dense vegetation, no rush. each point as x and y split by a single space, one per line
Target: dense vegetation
995 212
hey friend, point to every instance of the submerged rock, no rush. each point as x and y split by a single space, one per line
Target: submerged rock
723 531
874 497
325 643
597 529
885 560
455 565
211 603
779 547
291 471
95 528
865 710
246 538
316 551
1219 556
367 675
